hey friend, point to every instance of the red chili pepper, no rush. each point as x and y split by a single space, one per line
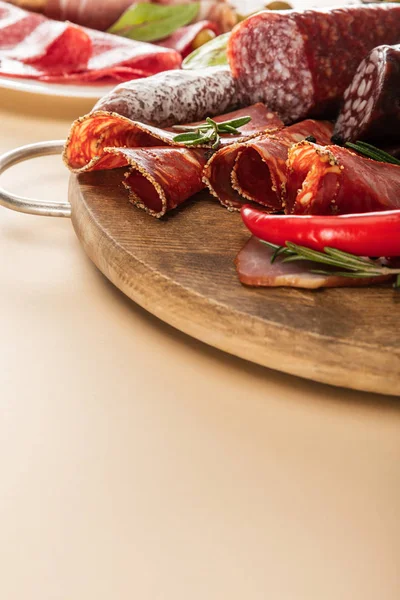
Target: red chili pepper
366 234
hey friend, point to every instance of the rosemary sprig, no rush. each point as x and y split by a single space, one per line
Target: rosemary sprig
352 265
372 152
208 133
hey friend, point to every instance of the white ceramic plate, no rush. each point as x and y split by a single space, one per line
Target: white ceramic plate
55 89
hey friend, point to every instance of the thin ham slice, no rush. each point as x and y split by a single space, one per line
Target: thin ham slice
254 268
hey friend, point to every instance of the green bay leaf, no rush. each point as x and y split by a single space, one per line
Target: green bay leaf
153 22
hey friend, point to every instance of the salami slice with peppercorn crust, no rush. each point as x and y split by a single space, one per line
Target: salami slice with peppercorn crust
371 107
92 134
332 180
300 62
256 170
163 173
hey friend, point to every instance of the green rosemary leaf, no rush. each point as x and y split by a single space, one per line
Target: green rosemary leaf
217 142
239 122
353 275
396 284
228 129
372 152
188 137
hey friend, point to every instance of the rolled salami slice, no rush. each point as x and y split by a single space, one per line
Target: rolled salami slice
92 134
174 97
332 180
300 62
371 107
256 170
160 179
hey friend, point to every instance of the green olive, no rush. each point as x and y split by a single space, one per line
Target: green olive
277 5
202 38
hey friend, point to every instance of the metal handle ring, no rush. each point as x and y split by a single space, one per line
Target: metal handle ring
27 205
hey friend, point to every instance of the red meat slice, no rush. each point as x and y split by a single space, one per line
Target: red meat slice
332 180
254 268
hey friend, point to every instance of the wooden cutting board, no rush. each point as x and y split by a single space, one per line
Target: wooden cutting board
181 270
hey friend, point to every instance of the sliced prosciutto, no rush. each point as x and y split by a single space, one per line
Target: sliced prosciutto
254 268
54 51
333 180
256 171
101 14
183 38
162 174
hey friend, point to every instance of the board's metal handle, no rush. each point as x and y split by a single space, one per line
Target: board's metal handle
27 205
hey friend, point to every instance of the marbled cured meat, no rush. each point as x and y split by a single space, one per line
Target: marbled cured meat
58 51
15 25
174 96
182 39
371 107
162 173
96 14
256 170
300 62
332 180
101 14
254 268
92 134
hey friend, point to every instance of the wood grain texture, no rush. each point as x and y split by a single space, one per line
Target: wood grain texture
181 270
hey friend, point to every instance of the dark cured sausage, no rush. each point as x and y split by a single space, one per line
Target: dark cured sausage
256 170
174 96
371 107
300 63
332 180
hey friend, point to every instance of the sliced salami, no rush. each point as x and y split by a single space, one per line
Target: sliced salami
56 50
332 180
91 135
174 96
256 170
160 179
371 108
300 62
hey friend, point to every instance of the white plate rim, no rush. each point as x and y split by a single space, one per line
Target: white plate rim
65 90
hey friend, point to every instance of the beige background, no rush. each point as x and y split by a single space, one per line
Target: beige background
138 463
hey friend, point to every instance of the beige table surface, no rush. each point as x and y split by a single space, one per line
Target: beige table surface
136 463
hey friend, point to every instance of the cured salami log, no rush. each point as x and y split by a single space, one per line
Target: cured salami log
58 51
371 107
162 174
256 170
254 268
300 62
174 97
92 134
332 180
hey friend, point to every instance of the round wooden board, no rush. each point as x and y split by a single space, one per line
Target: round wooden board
181 269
